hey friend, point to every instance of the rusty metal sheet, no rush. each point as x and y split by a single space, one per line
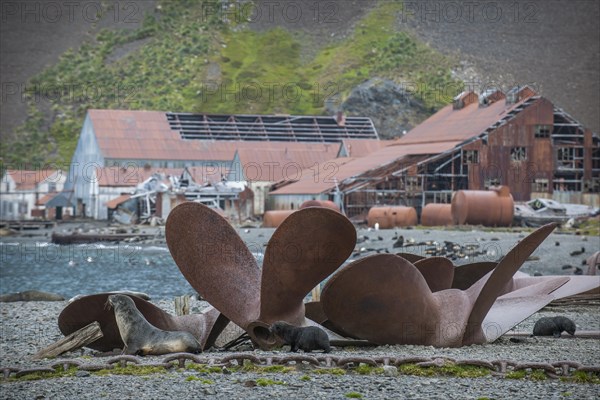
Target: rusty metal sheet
458 125
410 257
88 309
487 289
385 299
466 275
437 271
308 246
215 261
510 309
378 297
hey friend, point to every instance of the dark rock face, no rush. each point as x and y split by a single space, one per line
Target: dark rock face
392 109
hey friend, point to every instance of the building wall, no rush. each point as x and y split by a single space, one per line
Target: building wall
18 204
82 179
498 161
291 201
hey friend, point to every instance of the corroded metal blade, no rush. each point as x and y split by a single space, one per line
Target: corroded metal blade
485 291
382 298
305 249
411 257
466 275
437 271
88 309
215 261
512 308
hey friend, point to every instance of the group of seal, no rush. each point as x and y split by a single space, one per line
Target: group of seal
553 326
141 337
307 338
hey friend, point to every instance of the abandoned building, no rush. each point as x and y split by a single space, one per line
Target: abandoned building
127 145
518 139
26 194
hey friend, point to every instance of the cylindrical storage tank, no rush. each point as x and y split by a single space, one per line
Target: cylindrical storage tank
272 219
320 203
392 216
494 207
436 215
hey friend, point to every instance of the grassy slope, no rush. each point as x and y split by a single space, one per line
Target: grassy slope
255 73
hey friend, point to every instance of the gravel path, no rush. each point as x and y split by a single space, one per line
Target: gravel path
27 327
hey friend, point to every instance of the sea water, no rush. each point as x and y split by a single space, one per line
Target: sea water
69 270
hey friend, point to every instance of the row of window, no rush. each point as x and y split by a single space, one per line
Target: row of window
568 157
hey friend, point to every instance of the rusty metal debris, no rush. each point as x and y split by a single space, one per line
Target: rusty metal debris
388 299
381 298
308 246
85 310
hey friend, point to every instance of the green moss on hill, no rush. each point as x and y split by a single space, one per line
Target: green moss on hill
182 60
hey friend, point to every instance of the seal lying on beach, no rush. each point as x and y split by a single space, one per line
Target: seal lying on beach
142 338
304 338
553 326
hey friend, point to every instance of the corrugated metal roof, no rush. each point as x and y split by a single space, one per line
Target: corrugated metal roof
361 147
340 169
45 198
147 135
274 161
439 133
449 124
289 128
30 179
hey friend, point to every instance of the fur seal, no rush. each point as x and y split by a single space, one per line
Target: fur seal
141 337
304 338
553 326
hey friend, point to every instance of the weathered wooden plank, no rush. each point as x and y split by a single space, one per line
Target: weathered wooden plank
75 340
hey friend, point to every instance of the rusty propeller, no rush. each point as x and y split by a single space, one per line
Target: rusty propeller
388 300
307 247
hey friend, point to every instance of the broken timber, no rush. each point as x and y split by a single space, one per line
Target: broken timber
75 340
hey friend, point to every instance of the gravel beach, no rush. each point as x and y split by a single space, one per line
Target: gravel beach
27 327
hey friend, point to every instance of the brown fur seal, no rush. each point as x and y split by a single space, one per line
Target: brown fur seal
553 326
304 338
142 338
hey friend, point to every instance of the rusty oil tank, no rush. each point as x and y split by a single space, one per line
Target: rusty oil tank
494 207
436 215
272 219
392 216
320 203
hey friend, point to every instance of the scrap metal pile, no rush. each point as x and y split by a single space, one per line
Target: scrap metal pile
381 298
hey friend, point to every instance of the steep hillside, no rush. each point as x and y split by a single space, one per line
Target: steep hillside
287 56
190 57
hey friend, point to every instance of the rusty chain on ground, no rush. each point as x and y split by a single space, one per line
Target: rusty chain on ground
498 368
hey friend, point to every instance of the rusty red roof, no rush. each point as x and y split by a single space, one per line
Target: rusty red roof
30 179
148 135
275 161
340 169
45 198
449 124
441 132
361 147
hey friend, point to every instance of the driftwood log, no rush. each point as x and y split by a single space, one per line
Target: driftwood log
75 340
